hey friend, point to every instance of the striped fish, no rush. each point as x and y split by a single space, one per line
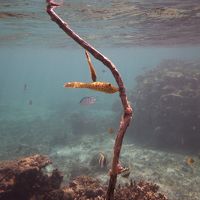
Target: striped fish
98 86
87 100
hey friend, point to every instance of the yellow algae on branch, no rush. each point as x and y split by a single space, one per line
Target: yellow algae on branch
97 86
91 67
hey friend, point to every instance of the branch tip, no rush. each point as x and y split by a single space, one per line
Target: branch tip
52 3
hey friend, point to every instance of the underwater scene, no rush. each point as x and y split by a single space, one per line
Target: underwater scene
60 107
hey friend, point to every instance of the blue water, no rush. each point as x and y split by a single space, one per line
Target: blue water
36 53
45 71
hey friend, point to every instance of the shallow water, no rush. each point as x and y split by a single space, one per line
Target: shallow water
38 115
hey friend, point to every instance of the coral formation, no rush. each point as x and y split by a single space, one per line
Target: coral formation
167 110
25 179
84 187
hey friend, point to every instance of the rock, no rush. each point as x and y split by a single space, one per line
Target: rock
24 178
166 111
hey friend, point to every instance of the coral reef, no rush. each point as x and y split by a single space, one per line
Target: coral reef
25 179
167 110
88 188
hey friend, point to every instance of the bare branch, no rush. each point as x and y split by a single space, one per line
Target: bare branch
127 115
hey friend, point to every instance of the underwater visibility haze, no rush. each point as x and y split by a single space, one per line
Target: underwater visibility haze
155 46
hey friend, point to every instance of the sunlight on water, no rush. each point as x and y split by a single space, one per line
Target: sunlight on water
124 23
155 46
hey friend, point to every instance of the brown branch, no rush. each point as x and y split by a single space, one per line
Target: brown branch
127 115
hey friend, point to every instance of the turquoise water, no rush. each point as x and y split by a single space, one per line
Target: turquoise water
45 70
36 53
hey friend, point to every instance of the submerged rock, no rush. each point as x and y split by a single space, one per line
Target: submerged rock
24 179
167 110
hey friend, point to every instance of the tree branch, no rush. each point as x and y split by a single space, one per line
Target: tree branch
127 115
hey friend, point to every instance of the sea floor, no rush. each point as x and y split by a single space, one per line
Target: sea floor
78 155
177 179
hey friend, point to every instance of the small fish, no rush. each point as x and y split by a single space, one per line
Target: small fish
92 70
110 130
87 100
189 161
182 141
98 86
125 172
102 160
25 87
30 102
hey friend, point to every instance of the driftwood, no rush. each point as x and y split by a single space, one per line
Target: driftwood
127 115
24 179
